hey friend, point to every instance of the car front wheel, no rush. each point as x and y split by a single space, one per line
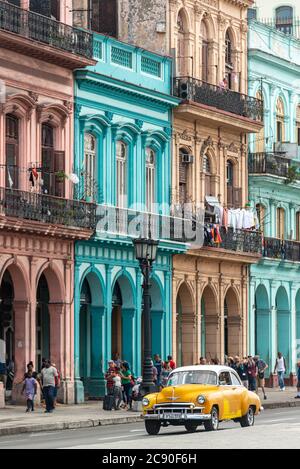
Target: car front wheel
191 427
152 427
248 419
213 423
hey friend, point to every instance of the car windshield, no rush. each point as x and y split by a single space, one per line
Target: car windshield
192 377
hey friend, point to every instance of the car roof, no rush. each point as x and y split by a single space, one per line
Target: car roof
215 368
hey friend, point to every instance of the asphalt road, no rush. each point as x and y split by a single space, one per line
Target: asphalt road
278 428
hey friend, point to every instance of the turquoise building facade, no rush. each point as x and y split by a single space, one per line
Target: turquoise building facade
274 188
123 129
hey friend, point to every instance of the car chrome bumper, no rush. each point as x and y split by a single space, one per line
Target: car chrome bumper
184 417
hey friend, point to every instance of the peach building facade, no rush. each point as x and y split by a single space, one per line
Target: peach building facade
39 220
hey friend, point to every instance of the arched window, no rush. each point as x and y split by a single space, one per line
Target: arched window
280 120
89 163
12 151
260 137
121 174
228 59
150 179
261 214
183 175
181 54
284 19
207 172
280 221
205 61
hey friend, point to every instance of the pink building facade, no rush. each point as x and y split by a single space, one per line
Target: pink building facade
39 220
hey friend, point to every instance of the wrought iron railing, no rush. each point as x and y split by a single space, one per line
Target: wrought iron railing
281 249
268 163
246 241
191 89
47 209
288 26
114 221
45 30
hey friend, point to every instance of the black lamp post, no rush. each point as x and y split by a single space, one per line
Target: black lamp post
145 253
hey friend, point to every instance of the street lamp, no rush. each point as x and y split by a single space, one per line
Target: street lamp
145 253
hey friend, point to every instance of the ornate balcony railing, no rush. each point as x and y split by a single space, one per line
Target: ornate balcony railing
47 209
268 163
191 89
244 241
281 249
289 26
45 30
114 221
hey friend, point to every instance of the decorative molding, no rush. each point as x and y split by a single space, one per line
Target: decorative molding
208 143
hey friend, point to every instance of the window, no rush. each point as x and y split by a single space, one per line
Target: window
150 179
235 380
183 176
252 14
192 377
49 8
260 137
279 120
280 215
224 378
121 174
228 60
260 209
12 151
53 164
181 44
89 163
229 175
205 62
207 173
105 17
284 19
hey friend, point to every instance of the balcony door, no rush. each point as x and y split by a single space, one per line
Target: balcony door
228 60
104 16
284 19
53 164
122 175
205 64
49 8
280 222
90 164
12 151
150 179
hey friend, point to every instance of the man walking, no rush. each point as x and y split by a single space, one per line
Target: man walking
158 363
49 377
298 381
280 367
261 368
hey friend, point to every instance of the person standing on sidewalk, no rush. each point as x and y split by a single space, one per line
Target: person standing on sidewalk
280 367
30 388
252 373
261 368
49 375
298 381
57 385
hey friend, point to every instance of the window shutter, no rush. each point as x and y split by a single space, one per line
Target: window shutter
59 167
104 16
229 196
237 197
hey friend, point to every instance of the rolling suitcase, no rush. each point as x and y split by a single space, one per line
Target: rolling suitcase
108 402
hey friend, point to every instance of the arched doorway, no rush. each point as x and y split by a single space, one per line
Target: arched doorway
262 324
210 337
123 320
232 324
7 327
42 322
185 327
92 364
283 324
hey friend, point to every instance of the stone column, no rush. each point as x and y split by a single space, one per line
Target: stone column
96 382
56 313
78 384
157 332
21 349
251 320
138 322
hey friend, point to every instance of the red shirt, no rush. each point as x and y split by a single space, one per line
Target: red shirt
172 364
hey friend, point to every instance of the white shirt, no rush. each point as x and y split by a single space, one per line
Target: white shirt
280 364
117 381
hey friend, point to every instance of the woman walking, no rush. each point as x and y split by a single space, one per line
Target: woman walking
126 378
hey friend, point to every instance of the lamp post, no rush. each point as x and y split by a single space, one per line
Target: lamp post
145 253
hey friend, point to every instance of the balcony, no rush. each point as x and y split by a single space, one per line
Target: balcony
248 110
44 38
281 249
63 214
239 241
269 163
123 223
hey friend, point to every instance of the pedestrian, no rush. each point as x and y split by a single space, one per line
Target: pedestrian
252 373
154 373
35 375
261 368
242 371
117 389
57 385
109 376
3 367
165 373
136 389
171 362
280 367
298 381
49 373
30 388
126 377
158 363
117 360
202 361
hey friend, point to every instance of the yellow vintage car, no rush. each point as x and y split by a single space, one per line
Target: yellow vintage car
200 394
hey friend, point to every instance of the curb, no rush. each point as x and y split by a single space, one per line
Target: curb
279 405
71 425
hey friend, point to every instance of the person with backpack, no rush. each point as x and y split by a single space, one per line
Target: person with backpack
252 373
280 367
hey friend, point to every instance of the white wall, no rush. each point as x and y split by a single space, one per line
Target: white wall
266 8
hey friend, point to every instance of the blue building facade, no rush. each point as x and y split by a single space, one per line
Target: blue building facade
274 188
123 128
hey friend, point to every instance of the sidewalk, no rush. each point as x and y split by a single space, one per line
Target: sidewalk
14 420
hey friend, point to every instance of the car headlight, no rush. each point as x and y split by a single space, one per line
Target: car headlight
201 399
145 401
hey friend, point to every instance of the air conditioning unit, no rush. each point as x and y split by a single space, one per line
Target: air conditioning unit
187 158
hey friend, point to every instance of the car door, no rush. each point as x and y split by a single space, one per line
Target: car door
227 394
237 393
